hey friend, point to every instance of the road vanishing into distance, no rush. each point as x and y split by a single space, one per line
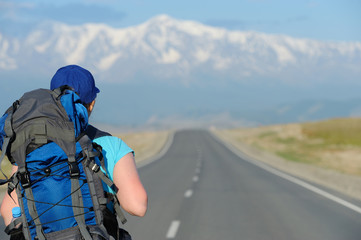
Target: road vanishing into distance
201 190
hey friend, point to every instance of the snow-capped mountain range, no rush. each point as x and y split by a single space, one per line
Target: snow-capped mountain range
169 67
165 48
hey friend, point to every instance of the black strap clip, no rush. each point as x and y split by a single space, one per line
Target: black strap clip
25 179
74 169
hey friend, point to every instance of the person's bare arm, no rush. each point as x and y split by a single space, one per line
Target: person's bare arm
131 193
8 203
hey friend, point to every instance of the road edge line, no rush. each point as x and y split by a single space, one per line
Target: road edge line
286 176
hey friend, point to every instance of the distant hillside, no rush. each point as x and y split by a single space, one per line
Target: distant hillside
168 72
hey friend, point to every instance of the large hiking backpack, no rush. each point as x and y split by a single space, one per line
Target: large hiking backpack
59 181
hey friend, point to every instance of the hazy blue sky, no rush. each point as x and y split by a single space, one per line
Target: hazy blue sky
317 19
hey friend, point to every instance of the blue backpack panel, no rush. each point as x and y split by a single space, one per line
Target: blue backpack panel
58 183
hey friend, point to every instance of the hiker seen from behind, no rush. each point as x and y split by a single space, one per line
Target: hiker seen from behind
69 180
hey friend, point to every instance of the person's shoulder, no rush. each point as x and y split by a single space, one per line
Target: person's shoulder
106 140
94 133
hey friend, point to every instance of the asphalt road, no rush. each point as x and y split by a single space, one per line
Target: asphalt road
199 189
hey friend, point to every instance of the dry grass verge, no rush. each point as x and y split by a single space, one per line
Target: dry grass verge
145 144
326 152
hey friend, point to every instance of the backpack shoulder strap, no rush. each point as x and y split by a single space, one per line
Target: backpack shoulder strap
93 133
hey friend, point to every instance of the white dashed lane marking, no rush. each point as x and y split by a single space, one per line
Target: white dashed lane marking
188 193
173 229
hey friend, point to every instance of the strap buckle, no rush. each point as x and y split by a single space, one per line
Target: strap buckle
95 167
74 169
25 179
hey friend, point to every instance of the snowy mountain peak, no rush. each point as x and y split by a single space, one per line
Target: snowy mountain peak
166 48
171 66
161 19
